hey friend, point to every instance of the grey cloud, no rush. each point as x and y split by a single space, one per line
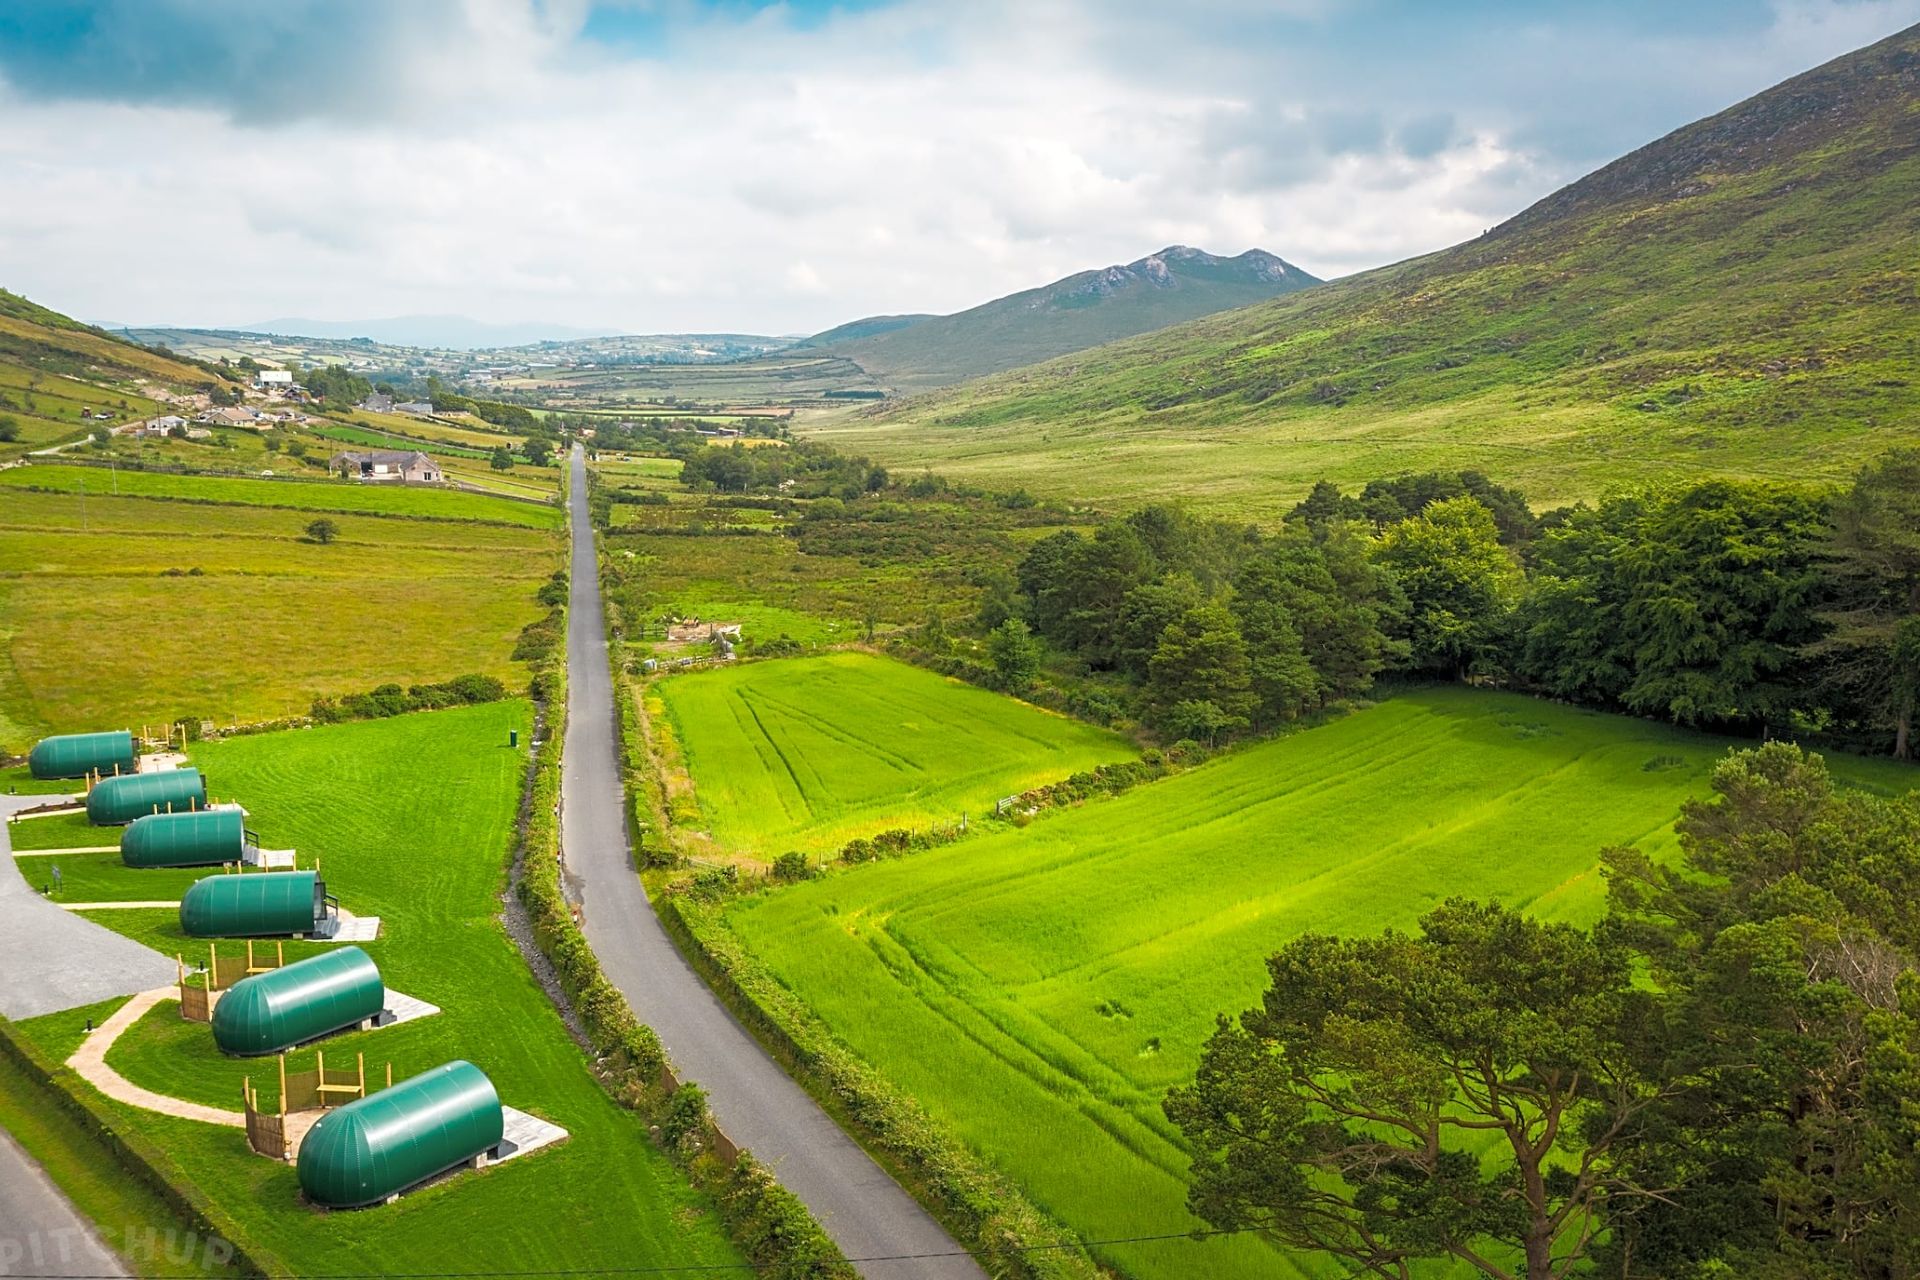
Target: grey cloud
1425 137
258 63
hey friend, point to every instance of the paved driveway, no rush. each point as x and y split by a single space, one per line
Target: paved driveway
51 958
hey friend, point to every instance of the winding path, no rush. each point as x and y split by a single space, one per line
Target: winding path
754 1100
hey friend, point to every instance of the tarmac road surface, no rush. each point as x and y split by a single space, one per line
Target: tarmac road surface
40 1233
751 1096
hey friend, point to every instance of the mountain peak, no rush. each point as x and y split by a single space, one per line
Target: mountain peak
1178 283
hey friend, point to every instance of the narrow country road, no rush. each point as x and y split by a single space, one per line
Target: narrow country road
40 1233
861 1207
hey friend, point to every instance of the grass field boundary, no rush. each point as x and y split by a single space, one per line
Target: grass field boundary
307 481
981 1208
137 1155
768 1223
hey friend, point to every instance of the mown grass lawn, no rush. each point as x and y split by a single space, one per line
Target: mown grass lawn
412 819
118 611
807 753
1040 990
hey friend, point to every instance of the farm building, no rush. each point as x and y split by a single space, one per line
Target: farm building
271 378
116 801
423 407
271 904
377 403
196 838
308 999
374 1148
406 465
75 755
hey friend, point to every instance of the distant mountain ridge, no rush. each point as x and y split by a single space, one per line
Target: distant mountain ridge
452 333
1179 283
1740 297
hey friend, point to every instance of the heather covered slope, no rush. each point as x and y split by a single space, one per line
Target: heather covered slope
1741 297
916 353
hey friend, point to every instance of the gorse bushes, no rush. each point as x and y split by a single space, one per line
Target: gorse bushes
392 700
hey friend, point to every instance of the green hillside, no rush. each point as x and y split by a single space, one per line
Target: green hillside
915 353
1741 297
52 368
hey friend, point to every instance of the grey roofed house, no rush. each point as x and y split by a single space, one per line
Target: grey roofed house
377 403
414 406
406 465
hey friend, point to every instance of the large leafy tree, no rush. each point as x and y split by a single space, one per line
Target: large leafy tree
1785 945
1147 612
1872 652
1200 682
1353 1112
1312 635
1077 587
1460 583
1692 605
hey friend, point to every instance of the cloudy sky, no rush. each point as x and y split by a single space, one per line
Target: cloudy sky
667 165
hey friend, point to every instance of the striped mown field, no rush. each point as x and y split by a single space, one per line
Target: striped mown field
808 753
1040 990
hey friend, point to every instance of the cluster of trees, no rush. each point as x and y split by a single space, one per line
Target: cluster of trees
336 384
1717 1080
536 449
1222 627
512 417
1720 604
802 470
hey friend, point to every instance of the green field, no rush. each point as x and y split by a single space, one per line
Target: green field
807 753
314 495
412 819
1040 990
367 437
116 611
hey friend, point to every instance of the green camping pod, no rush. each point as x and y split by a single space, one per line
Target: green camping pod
306 1000
114 801
271 904
75 755
199 838
378 1146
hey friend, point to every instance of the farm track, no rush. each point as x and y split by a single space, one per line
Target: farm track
862 1208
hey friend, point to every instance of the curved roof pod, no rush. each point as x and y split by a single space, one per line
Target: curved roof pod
200 838
75 755
116 800
306 1000
378 1146
254 906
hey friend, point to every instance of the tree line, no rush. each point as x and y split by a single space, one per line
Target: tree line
1721 604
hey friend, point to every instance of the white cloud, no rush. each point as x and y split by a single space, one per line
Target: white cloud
755 176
